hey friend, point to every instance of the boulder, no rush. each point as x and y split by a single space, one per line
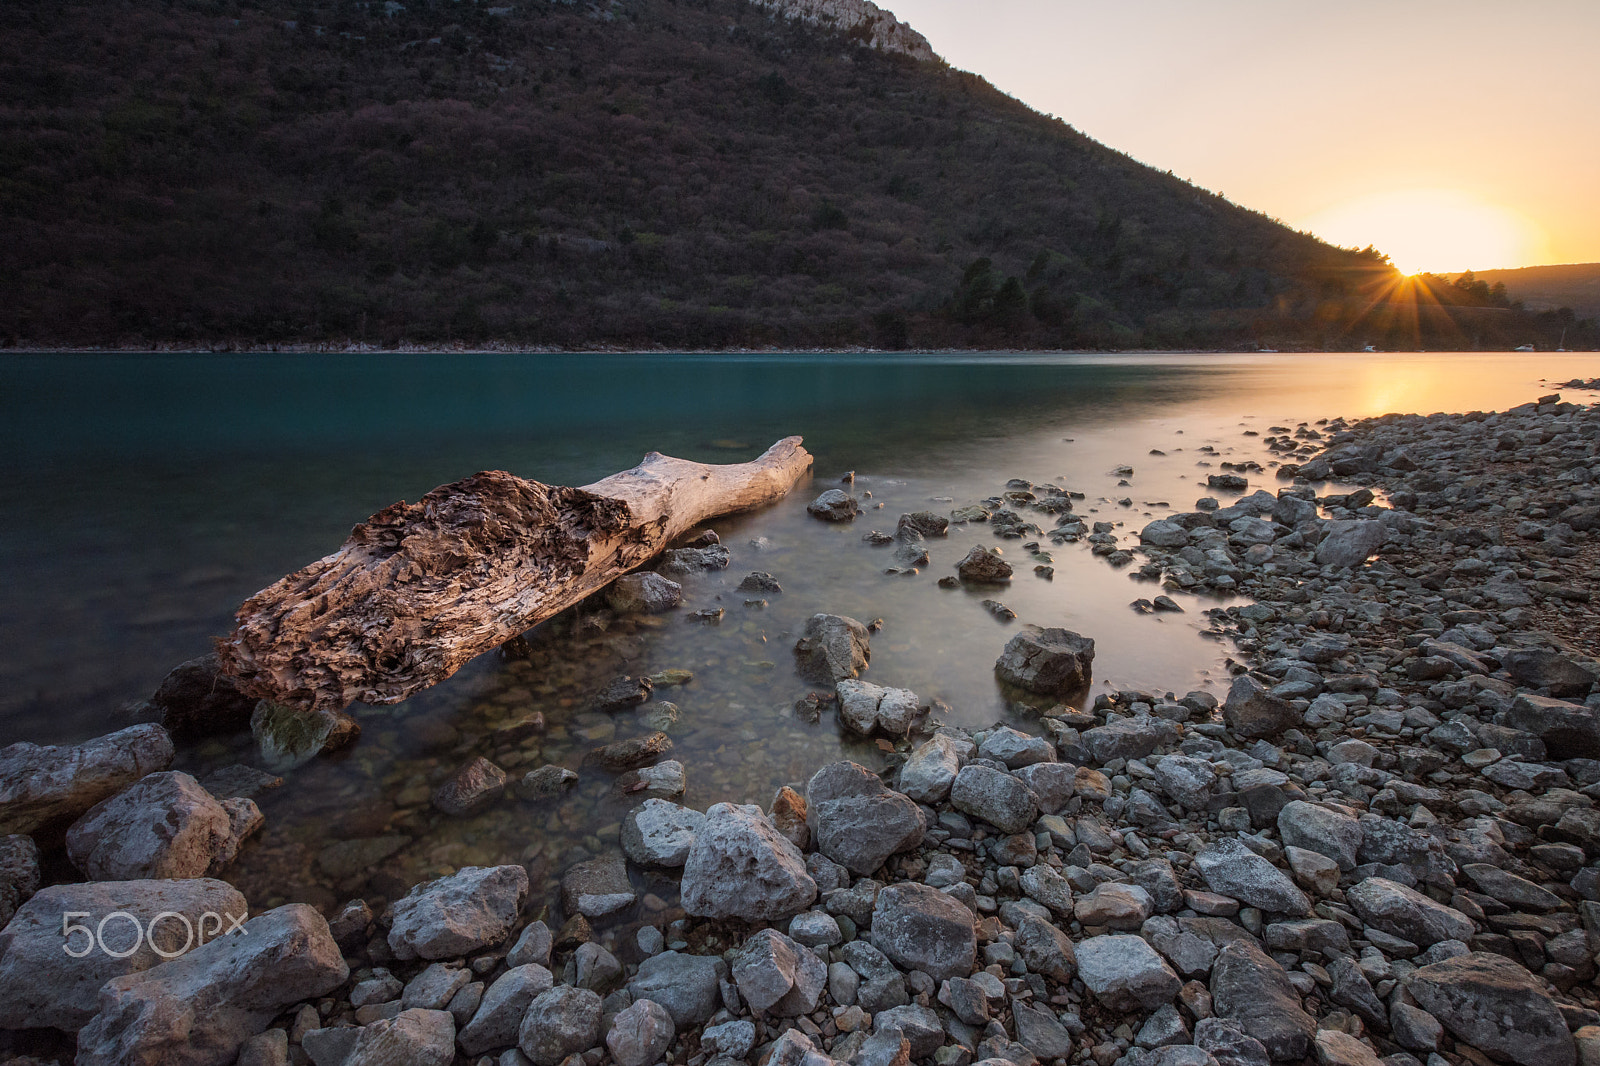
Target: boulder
1128 738
1250 988
689 986
547 782
741 867
778 975
163 826
834 505
199 1008
1555 673
643 593
1495 1005
1403 912
1015 748
1251 711
287 738
633 753
19 873
1337 1048
1125 973
471 909
660 833
983 566
1232 869
857 821
48 980
597 887
1568 730
1322 830
43 787
563 1021
1347 543
1052 783
640 1034
1186 780
413 1037
197 699
921 928
832 648
499 1013
470 789
1163 533
1049 662
996 797
1518 893
927 774
1045 949
867 708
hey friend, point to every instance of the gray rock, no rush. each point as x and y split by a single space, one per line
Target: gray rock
1319 829
1016 749
43 787
640 1034
1249 988
1045 949
741 867
1125 973
239 782
1251 711
595 967
1052 783
921 928
270 1048
1114 905
546 782
1334 1047
198 1009
1164 534
1228 1043
1406 913
856 821
414 1037
470 789
1516 892
1234 870
287 737
777 975
48 980
163 826
886 1047
471 909
1414 1028
659 833
1352 989
563 1021
1050 662
834 505
1039 1031
1186 780
1129 738
1348 543
1556 674
197 699
434 987
1568 730
533 946
927 775
983 566
643 593
1191 954
597 887
680 561
868 708
19 873
689 986
832 648
330 1046
1490 1002
732 1040
1042 883
794 1048
998 798
919 1025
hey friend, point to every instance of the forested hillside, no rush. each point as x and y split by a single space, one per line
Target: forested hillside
643 173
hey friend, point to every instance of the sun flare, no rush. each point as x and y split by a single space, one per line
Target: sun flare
1439 230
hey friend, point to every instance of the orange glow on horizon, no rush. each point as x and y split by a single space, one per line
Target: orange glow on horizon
1435 230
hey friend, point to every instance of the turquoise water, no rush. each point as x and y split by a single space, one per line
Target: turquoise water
147 495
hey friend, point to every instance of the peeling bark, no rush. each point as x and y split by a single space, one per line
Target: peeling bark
419 589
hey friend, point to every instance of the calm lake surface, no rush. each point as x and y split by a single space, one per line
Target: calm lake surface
147 495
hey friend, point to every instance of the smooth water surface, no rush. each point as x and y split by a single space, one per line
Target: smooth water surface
149 494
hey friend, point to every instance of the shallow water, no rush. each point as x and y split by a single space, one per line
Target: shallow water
150 494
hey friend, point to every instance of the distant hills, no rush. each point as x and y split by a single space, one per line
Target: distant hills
640 173
1548 288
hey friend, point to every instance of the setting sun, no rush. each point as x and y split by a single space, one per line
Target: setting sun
1439 230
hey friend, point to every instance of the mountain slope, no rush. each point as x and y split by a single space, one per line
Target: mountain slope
648 172
1545 288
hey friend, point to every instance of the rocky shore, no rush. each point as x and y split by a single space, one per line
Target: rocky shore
1382 845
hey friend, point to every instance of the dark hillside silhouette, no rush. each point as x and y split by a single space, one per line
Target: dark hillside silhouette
676 173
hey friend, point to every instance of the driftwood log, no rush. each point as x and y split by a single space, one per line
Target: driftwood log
419 589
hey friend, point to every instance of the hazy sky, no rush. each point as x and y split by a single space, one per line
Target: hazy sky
1451 135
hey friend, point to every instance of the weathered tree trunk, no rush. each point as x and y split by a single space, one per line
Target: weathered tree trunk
421 588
